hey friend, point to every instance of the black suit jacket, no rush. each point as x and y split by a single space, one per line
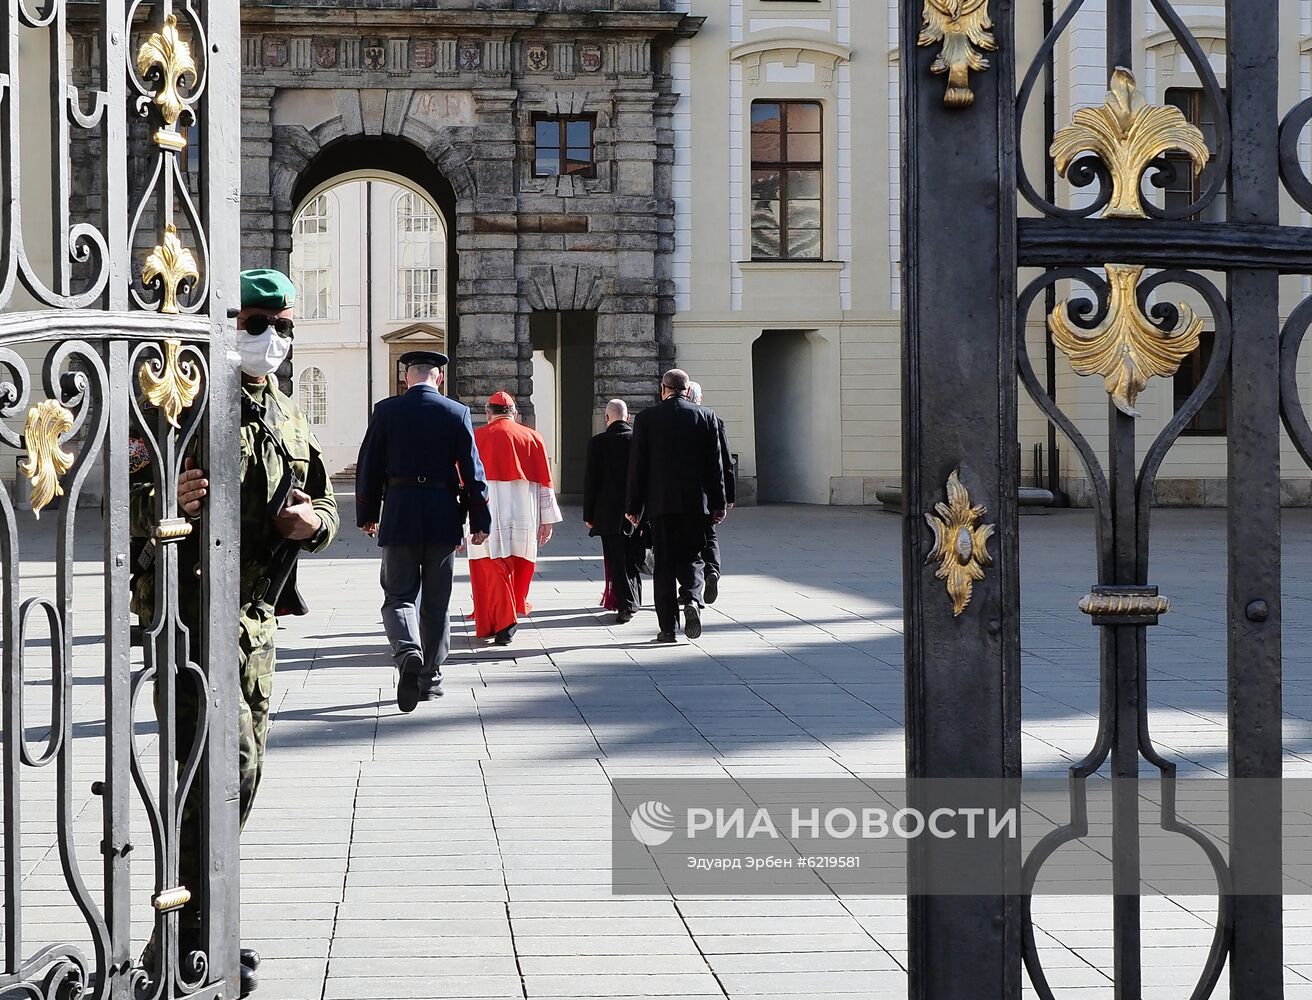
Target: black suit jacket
607 479
421 433
675 465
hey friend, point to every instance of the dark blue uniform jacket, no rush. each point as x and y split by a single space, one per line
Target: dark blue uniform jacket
419 434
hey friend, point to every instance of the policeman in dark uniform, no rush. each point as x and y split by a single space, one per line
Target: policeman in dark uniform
419 454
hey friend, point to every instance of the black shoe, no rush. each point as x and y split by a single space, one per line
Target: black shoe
503 637
250 982
667 637
624 617
712 590
407 688
434 691
250 958
692 621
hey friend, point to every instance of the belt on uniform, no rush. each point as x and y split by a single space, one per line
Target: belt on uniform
422 481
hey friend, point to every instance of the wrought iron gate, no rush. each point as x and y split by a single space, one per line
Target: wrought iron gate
964 184
119 152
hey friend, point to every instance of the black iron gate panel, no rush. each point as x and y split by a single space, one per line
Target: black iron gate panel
118 272
1119 278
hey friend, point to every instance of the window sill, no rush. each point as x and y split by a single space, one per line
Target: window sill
800 265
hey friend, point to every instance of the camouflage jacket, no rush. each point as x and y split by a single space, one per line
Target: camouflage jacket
261 467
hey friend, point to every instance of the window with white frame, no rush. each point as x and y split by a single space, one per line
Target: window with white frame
312 393
312 260
420 259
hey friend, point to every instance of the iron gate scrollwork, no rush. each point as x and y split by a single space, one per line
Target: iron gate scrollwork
116 357
1124 281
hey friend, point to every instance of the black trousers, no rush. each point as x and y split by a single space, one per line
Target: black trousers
623 558
711 550
710 557
677 542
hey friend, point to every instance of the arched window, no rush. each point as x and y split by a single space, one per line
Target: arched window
313 394
312 259
420 259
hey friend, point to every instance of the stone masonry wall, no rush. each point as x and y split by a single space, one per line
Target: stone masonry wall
462 80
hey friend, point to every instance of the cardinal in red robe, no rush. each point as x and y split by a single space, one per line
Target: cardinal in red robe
524 508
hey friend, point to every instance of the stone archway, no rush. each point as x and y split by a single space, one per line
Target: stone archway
315 136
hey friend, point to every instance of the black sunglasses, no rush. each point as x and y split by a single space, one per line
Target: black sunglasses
256 325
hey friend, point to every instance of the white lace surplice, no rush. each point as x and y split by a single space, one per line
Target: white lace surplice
517 509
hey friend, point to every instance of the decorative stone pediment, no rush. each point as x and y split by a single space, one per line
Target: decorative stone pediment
789 50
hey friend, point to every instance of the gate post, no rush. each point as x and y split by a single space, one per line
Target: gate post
1253 519
959 416
221 122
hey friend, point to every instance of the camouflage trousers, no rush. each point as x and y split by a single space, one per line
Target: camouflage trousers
256 661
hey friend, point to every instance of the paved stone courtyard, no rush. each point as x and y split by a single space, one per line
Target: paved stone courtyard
464 851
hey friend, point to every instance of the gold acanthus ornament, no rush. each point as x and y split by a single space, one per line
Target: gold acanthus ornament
1127 134
46 461
170 384
171 264
1126 349
963 27
961 543
166 58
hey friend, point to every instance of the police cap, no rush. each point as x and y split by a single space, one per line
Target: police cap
435 358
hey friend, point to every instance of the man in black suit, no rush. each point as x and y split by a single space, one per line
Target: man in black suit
603 510
711 551
419 453
676 480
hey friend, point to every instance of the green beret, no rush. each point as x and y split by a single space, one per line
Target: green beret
267 289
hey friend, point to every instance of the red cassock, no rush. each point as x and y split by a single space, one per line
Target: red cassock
520 498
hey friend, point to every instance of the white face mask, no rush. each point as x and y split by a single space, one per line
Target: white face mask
261 355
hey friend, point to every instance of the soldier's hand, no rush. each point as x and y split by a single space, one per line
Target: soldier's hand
544 534
478 537
718 516
371 529
298 520
192 488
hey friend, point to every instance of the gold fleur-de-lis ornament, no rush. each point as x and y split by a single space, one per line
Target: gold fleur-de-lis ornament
1127 134
46 460
166 57
170 384
961 543
1126 349
964 28
171 264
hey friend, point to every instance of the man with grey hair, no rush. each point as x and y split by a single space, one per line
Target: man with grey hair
677 481
603 512
711 550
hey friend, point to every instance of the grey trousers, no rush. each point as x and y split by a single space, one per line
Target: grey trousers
420 573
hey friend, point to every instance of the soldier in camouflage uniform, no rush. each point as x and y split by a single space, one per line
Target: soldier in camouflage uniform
287 505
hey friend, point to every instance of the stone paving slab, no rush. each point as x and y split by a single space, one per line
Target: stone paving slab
464 851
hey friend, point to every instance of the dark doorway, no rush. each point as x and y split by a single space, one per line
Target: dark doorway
564 351
786 452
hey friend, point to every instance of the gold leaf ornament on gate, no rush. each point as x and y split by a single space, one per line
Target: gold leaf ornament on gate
964 29
46 460
171 264
166 58
961 543
1126 348
1127 134
170 384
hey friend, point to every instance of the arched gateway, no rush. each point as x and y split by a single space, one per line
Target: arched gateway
545 137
